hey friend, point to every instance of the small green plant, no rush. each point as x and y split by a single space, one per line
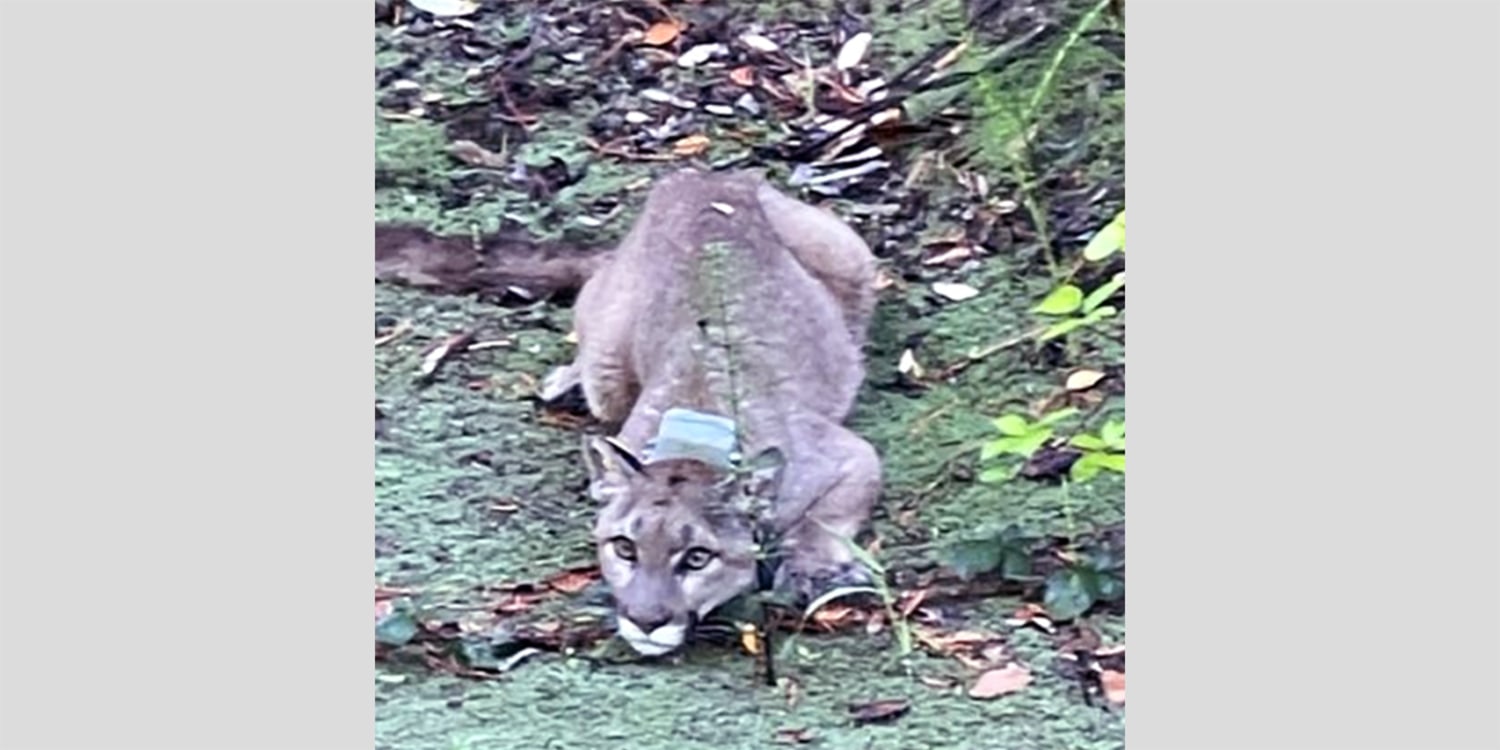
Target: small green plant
1088 578
1008 552
1104 451
1019 437
1076 309
1107 241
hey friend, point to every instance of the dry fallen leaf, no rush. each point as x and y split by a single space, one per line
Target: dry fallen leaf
750 639
954 291
1114 686
798 736
743 76
573 581
910 366
834 616
937 683
435 357
998 682
877 711
948 643
661 32
700 54
957 252
445 7
1082 380
853 50
883 280
475 155
1032 614
758 43
910 600
401 329
691 145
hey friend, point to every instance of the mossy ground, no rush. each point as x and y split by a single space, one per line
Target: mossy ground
474 486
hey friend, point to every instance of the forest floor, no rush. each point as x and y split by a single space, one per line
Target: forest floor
1006 159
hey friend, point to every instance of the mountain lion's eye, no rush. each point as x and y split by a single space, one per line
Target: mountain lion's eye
624 548
696 558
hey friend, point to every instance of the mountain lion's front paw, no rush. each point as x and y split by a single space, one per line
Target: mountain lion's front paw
805 583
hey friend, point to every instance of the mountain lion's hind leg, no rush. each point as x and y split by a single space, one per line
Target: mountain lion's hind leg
831 251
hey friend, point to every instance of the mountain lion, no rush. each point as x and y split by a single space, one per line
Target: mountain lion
720 341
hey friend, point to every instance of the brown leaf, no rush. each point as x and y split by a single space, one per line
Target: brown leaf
519 602
908 365
910 600
691 145
937 683
1032 614
1082 380
743 76
949 644
798 736
661 32
957 252
998 682
435 356
958 292
475 155
878 711
835 616
750 639
573 581
1114 686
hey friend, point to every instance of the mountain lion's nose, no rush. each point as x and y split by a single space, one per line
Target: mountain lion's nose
651 622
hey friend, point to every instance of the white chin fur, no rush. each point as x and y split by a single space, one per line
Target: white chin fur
663 640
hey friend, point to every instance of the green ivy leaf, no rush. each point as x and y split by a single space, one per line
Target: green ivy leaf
1012 424
1015 562
1107 311
1088 443
1105 290
1113 461
1011 445
1061 301
1062 328
1113 433
1107 241
1111 588
1085 468
1029 444
1067 594
995 475
397 629
1052 418
971 557
991 449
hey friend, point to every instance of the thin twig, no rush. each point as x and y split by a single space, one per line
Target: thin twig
989 351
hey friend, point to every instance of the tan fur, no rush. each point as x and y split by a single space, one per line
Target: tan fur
794 313
798 308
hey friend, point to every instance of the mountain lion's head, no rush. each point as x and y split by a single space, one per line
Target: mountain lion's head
674 538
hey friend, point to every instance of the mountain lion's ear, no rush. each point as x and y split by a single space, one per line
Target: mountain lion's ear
607 456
